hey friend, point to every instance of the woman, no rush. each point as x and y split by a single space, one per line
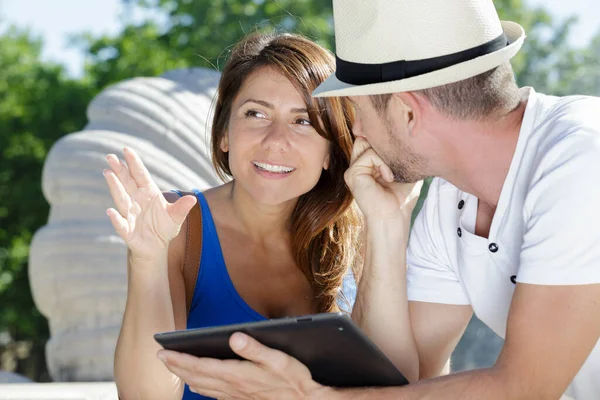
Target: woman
277 239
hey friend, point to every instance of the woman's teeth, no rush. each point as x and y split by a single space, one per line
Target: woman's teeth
278 169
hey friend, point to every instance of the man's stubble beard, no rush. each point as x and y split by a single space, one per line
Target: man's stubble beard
406 166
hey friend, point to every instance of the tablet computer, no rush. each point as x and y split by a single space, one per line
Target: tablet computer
334 349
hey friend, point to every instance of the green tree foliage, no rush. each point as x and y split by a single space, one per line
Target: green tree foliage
137 51
578 72
38 104
198 33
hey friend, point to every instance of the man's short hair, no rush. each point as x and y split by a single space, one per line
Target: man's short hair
492 92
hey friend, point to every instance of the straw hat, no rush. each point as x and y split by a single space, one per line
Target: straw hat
389 46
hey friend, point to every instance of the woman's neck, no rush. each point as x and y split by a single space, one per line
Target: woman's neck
261 222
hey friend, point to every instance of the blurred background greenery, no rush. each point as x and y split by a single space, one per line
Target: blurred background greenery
40 102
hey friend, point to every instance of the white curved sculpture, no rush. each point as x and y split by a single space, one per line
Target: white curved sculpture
77 263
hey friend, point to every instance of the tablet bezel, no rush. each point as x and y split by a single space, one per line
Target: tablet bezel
335 350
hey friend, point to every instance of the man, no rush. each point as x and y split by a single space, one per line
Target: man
510 229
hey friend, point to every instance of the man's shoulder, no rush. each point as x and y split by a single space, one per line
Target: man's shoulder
577 103
564 127
582 111
567 114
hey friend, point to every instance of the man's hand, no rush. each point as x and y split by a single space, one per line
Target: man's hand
267 373
372 184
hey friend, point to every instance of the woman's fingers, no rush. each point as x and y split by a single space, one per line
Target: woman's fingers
181 208
120 196
122 172
137 169
140 209
119 223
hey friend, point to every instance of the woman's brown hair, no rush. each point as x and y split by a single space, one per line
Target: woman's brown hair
325 223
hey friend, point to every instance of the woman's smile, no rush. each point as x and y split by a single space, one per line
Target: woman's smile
272 171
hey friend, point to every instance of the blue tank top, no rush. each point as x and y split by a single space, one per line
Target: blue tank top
215 301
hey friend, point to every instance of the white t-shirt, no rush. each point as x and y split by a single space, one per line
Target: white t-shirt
546 229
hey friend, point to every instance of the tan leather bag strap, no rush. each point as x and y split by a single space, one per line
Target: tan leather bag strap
193 252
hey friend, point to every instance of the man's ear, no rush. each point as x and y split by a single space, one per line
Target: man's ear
412 112
224 145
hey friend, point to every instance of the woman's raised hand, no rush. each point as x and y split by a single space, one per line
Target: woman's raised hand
142 216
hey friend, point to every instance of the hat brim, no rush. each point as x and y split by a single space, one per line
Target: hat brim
513 31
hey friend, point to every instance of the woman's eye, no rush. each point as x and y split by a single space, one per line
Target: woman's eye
254 113
303 121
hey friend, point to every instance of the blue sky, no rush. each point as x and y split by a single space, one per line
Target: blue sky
55 20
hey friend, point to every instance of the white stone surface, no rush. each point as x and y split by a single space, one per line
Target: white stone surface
59 391
77 263
9 377
69 391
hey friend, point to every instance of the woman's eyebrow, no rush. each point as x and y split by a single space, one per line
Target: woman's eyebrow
261 102
271 106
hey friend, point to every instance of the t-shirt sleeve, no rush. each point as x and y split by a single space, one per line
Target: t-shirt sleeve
561 242
430 277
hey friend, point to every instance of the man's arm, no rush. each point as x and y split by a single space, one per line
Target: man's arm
424 334
554 320
437 329
419 338
551 331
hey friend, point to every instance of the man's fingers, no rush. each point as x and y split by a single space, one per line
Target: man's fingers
252 350
203 366
187 366
207 376
360 146
386 172
364 155
368 163
210 393
188 370
264 371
